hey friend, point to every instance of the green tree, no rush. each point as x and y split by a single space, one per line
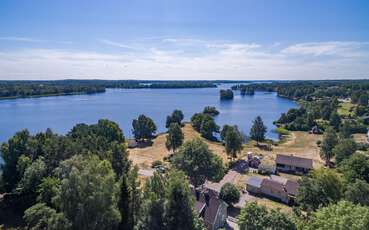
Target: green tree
224 131
143 128
343 215
229 193
211 110
357 192
120 161
48 189
10 153
233 142
356 167
280 221
153 208
88 193
198 162
253 217
208 127
40 217
196 121
176 117
335 120
363 99
175 137
344 149
179 214
329 142
258 130
345 130
321 187
130 200
32 177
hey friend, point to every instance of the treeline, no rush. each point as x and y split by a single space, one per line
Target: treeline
19 89
309 90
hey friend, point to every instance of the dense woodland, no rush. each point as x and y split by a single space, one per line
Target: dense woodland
85 180
19 89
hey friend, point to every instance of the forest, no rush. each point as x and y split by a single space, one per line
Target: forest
22 89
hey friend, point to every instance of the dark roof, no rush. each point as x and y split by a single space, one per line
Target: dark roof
199 207
255 181
292 187
275 185
294 161
212 210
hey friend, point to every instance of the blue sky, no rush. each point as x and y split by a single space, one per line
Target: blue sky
193 39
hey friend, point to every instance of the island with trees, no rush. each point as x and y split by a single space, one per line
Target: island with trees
226 94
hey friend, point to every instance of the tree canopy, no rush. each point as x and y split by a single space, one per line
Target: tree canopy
198 162
258 130
229 193
175 137
143 128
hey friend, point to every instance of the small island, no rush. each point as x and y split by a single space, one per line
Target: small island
226 94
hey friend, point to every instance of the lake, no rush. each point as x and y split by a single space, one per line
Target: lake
61 113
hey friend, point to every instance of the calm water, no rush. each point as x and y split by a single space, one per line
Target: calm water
123 105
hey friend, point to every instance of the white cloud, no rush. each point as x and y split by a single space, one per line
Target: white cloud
21 39
116 44
345 49
207 60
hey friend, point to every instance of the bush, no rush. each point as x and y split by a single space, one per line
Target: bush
282 131
266 169
229 193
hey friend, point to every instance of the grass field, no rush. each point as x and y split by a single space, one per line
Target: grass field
297 143
345 109
143 157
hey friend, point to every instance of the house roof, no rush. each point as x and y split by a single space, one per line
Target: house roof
275 185
279 179
292 187
212 210
294 161
255 181
199 206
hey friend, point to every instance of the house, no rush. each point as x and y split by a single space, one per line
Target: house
253 185
293 164
276 187
210 208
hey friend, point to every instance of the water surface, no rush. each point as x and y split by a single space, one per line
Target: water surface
61 113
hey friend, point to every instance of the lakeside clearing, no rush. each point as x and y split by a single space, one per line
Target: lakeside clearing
297 143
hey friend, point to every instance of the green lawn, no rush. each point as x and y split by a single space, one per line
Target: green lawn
344 109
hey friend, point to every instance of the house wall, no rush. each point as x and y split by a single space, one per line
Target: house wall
252 189
283 196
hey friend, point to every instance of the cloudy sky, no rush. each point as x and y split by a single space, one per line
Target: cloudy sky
192 39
